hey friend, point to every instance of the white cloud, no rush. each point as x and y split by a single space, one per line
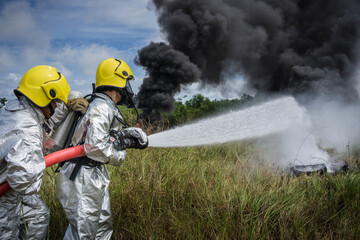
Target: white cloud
130 13
96 20
80 82
14 77
8 83
79 64
73 36
30 56
17 24
84 58
23 44
7 59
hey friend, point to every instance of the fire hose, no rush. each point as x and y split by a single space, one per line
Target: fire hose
51 159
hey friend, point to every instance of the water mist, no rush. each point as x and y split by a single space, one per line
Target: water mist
281 129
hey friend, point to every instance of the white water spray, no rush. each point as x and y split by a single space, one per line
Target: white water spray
292 142
257 121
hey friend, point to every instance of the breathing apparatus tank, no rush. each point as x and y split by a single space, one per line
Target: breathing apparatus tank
62 135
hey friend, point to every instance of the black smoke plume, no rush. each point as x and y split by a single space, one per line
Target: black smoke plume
168 69
292 46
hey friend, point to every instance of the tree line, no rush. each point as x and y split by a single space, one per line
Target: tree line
199 107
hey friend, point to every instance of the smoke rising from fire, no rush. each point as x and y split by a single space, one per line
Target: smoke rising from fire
292 46
167 69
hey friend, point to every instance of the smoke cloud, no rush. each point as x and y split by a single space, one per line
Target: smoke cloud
167 69
292 46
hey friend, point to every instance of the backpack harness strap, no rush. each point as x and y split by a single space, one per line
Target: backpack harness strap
86 161
82 161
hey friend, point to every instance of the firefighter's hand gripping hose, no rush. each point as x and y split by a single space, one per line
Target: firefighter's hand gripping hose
138 136
132 137
51 159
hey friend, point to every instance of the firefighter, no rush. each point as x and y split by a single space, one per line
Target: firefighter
24 138
82 184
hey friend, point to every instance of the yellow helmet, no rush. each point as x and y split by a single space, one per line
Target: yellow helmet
42 84
113 72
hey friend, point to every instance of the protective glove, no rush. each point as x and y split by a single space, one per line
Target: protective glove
136 136
129 138
118 140
78 105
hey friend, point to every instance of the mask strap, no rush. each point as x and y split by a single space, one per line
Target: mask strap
51 109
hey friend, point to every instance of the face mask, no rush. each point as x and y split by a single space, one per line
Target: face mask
127 96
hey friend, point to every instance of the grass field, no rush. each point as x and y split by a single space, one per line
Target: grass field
220 192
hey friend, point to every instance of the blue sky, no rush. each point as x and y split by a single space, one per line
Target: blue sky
75 36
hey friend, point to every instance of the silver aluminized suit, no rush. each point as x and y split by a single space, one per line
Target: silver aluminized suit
22 142
86 200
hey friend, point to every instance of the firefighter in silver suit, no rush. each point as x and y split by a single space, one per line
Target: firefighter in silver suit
82 184
23 141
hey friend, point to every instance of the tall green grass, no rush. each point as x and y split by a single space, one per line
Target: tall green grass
220 192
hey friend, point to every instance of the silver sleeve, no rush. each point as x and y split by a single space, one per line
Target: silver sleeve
25 165
98 145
